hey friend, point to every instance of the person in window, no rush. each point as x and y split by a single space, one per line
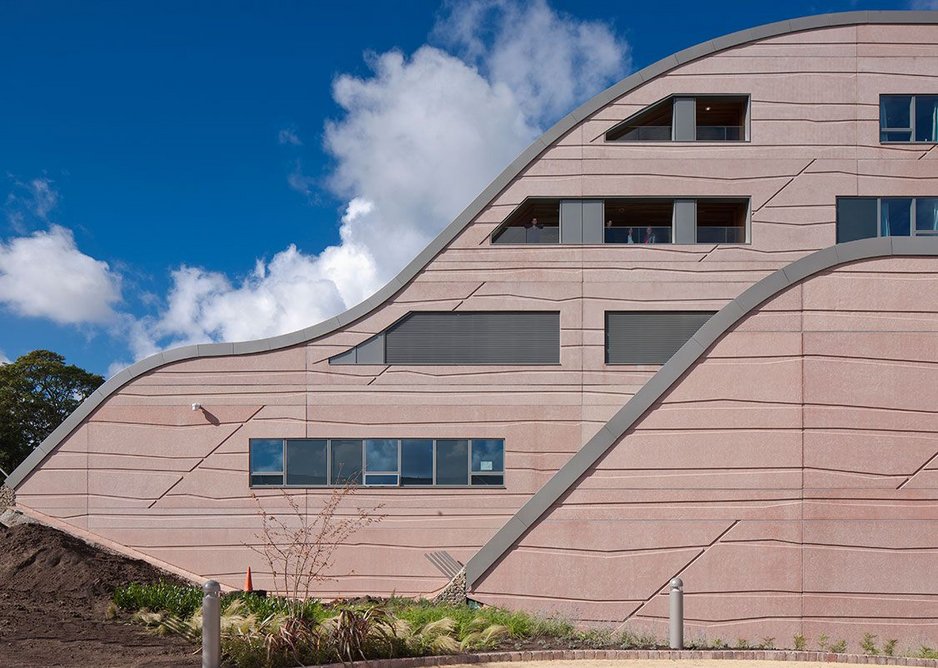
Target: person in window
534 231
629 239
649 235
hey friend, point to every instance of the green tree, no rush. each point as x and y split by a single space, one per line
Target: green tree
37 392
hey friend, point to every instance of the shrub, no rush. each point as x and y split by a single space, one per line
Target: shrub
868 644
889 647
801 643
839 647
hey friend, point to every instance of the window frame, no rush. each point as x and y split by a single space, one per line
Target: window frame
747 118
913 215
911 128
363 485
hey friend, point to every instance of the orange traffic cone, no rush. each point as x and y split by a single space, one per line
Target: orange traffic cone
248 585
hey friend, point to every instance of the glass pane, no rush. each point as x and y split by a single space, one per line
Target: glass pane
926 118
895 217
306 462
926 215
346 462
452 462
381 479
381 454
856 218
416 462
484 479
895 111
900 135
488 455
263 480
266 455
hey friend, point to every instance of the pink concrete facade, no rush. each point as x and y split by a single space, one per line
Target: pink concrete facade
790 477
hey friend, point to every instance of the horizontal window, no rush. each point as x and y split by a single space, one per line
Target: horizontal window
649 337
463 337
640 220
376 462
908 118
870 217
687 118
536 221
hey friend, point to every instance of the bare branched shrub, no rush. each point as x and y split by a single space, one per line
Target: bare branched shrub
299 546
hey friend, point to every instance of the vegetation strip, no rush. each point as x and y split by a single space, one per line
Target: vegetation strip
626 654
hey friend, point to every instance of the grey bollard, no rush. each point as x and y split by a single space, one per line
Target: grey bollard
211 625
676 636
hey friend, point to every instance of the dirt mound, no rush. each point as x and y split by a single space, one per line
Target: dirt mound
34 557
54 591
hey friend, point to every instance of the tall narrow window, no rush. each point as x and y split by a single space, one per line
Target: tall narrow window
908 118
381 462
488 461
346 462
452 462
416 462
266 461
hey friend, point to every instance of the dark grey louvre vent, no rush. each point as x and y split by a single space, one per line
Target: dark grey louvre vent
649 337
488 337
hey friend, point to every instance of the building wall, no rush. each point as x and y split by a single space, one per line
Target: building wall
790 478
154 477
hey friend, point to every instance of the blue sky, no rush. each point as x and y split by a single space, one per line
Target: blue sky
173 172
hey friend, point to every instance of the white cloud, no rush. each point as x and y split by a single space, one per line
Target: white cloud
45 275
289 136
30 199
417 139
3 358
550 60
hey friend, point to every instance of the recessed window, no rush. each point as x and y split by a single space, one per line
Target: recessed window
687 118
536 221
722 221
638 221
908 118
870 217
376 462
649 337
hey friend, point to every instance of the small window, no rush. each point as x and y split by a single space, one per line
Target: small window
346 462
536 221
381 462
416 462
638 221
908 118
721 221
452 462
307 462
266 461
488 461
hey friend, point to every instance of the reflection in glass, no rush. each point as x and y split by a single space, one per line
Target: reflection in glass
417 462
306 462
926 118
452 462
895 217
487 455
346 462
266 455
381 454
926 215
385 479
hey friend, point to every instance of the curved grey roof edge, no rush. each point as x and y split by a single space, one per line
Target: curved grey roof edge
449 233
675 368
